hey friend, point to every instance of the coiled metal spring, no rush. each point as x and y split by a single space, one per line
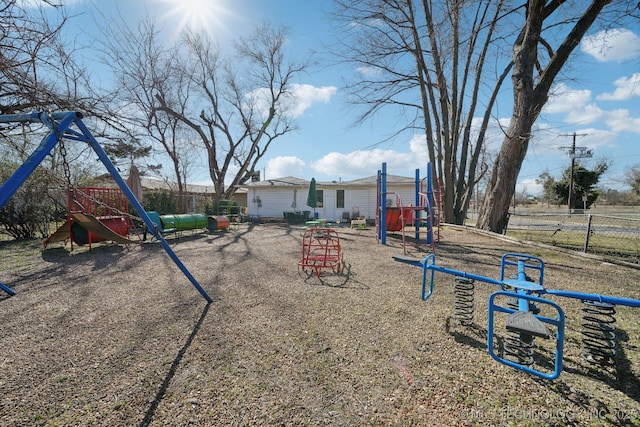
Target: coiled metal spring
599 333
463 304
518 346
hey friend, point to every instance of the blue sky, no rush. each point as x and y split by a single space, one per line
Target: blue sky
599 100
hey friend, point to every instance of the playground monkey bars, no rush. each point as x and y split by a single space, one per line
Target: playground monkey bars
60 126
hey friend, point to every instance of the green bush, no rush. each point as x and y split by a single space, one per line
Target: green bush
27 215
161 201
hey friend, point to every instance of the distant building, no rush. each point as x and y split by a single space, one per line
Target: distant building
337 200
199 193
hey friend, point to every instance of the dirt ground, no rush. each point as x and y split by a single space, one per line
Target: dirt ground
120 337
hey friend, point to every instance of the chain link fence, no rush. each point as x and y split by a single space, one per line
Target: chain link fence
610 236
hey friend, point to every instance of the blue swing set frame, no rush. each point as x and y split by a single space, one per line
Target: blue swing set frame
61 126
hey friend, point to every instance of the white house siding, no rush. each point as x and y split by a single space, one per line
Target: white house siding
364 199
407 195
273 202
277 198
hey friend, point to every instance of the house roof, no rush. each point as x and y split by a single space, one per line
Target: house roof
290 181
158 184
287 181
391 179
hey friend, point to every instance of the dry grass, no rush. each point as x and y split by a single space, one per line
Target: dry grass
120 337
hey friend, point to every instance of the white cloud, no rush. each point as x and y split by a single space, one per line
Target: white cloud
302 97
305 95
357 164
369 71
418 146
282 166
596 138
620 121
626 88
586 114
563 99
578 109
612 45
529 187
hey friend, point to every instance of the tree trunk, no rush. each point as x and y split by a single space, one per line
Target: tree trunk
502 182
528 102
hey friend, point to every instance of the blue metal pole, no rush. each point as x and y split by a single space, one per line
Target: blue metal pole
378 208
7 289
595 297
23 172
13 118
523 304
137 206
430 199
465 274
383 204
416 220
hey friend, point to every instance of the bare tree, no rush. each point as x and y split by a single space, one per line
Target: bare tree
441 64
247 100
536 64
37 66
427 60
40 70
145 70
191 98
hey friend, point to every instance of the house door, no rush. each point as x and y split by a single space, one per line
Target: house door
330 205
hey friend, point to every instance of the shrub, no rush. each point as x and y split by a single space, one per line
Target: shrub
28 213
161 201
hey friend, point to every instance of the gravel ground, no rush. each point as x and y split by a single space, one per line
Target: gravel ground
120 337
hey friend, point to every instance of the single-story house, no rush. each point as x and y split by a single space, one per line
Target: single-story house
337 200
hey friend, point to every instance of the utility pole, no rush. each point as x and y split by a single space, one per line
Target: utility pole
575 153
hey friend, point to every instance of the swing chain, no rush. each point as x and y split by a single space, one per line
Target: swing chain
65 163
67 174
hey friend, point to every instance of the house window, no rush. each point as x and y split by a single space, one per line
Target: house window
340 199
320 197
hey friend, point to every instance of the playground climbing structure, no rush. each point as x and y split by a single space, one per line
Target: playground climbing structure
419 213
94 215
321 249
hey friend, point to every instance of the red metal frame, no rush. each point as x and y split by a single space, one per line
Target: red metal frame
100 202
320 249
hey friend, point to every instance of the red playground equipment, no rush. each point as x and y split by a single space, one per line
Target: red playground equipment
95 215
390 217
320 249
399 216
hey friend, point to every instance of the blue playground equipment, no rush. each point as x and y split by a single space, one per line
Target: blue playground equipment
395 218
60 126
528 314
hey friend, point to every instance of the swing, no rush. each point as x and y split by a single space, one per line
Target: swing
60 125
